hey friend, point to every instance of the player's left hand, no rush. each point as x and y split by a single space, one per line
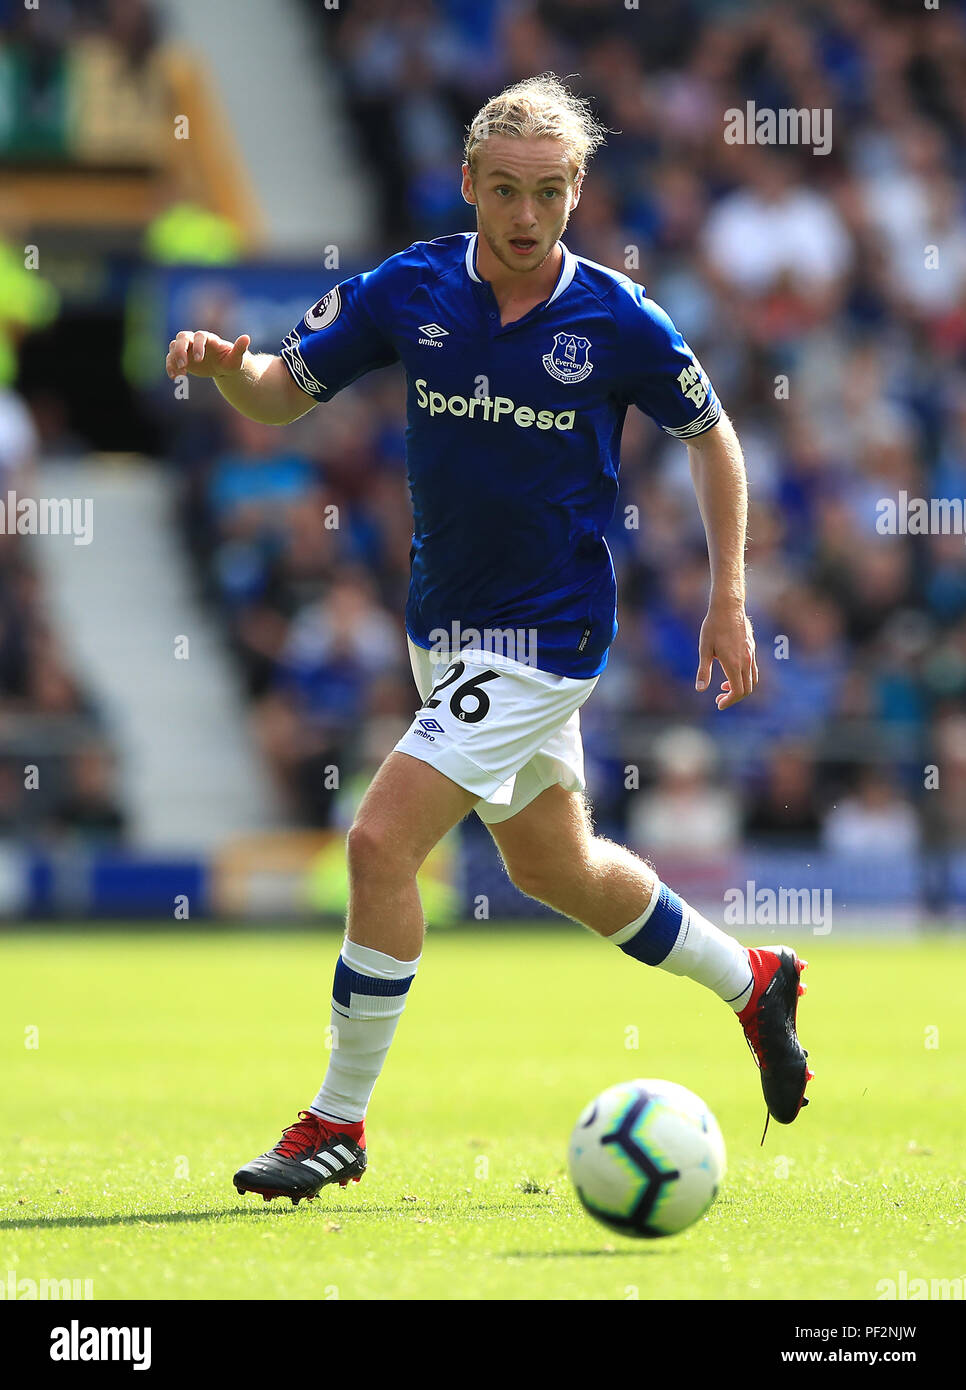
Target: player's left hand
727 637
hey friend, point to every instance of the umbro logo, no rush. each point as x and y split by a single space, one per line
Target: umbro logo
431 332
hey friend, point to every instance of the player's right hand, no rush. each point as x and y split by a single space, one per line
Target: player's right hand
204 354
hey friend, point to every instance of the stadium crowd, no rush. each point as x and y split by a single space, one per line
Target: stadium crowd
58 767
825 293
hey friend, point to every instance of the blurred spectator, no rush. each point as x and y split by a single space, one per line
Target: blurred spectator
27 302
185 234
946 797
329 669
809 676
18 442
685 812
90 809
774 233
874 820
784 810
252 485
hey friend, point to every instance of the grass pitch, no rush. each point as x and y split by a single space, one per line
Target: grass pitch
164 1059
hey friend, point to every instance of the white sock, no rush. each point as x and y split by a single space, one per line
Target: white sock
368 997
673 936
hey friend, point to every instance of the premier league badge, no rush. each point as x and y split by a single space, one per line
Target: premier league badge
567 360
325 312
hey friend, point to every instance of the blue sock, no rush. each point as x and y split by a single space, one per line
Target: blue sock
672 935
652 937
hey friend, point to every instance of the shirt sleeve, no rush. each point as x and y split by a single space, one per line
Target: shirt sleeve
339 338
664 378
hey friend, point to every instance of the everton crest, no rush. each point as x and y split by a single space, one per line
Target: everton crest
567 360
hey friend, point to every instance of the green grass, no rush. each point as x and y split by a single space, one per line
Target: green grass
166 1059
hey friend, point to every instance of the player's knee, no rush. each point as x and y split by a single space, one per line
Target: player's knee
366 849
536 880
373 854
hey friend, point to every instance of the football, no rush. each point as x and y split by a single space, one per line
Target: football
647 1158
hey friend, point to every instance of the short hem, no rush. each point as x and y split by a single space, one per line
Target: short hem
505 813
453 755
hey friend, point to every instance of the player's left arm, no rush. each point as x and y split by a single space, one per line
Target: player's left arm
663 378
721 487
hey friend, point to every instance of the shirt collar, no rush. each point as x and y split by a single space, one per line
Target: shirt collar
568 266
471 257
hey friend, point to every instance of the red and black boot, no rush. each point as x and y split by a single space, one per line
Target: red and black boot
310 1154
769 1020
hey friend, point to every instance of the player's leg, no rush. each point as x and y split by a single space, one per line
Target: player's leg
407 809
552 854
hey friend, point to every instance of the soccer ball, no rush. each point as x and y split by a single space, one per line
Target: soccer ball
647 1158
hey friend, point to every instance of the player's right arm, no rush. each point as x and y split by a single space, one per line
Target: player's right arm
258 385
341 337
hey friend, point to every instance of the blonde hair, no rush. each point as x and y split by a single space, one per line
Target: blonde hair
542 108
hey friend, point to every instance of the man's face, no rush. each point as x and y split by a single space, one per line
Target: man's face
524 191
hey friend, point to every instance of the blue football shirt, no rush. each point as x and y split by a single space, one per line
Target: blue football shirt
513 437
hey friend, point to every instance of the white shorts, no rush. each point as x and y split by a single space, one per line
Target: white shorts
497 727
